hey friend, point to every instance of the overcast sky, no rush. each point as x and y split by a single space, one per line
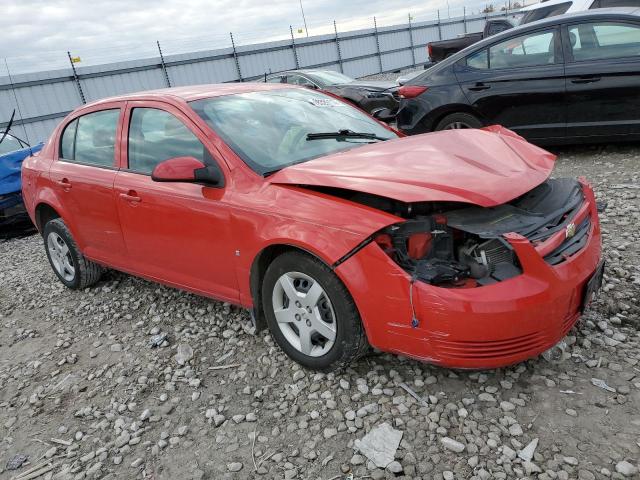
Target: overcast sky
125 29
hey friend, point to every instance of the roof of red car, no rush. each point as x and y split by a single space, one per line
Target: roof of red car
195 92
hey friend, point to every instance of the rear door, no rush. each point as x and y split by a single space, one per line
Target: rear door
175 232
82 175
603 78
519 83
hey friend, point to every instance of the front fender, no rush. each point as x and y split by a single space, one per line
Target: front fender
256 234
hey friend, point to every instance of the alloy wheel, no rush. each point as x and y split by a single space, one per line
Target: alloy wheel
304 314
456 126
60 255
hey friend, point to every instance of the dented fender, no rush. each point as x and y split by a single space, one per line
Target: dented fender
325 226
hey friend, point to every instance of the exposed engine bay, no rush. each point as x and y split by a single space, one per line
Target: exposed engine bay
460 246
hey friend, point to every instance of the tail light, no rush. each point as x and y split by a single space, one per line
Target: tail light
411 91
430 51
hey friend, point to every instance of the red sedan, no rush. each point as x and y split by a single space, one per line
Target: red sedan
455 248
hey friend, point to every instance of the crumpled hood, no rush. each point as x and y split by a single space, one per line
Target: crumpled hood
485 167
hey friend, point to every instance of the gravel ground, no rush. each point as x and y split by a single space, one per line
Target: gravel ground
84 395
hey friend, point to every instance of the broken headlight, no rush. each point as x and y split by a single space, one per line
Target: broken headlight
432 252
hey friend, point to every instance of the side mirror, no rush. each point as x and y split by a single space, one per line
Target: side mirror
383 114
186 169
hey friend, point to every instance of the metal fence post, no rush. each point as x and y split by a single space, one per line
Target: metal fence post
375 30
335 29
464 18
439 27
235 57
164 66
75 76
413 51
293 46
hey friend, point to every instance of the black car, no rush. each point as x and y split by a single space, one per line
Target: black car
566 79
369 95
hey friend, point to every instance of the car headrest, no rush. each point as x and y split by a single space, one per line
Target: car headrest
573 38
175 128
103 138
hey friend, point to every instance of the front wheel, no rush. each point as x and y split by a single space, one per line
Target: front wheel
310 313
459 121
68 263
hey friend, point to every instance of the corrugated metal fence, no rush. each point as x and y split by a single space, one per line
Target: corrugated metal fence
45 97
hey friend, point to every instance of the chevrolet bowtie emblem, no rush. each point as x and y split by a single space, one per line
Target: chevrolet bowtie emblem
570 230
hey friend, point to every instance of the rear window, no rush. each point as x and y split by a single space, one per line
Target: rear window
498 27
534 49
9 144
545 12
479 60
602 41
91 139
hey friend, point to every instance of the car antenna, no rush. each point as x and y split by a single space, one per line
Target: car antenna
13 90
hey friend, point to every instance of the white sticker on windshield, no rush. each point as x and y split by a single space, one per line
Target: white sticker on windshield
325 102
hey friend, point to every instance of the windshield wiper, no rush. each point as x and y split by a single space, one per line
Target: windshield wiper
342 135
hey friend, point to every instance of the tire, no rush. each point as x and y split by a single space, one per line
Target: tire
455 121
67 262
334 311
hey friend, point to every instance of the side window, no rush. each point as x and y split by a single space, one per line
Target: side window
479 60
525 51
67 144
274 80
497 27
613 3
155 136
601 41
91 139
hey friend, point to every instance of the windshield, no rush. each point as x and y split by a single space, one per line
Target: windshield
545 12
9 144
269 129
330 77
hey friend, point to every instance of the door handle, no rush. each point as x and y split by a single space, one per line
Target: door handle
65 184
586 80
131 196
479 87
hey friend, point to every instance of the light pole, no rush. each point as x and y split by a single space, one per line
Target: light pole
304 19
448 9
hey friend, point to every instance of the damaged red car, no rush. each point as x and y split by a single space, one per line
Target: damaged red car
455 248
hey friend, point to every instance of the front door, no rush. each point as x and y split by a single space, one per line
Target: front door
83 174
178 232
603 78
519 83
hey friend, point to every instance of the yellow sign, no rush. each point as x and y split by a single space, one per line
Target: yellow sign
75 60
300 30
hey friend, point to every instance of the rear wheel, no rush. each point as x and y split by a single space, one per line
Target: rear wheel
459 121
310 313
68 263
